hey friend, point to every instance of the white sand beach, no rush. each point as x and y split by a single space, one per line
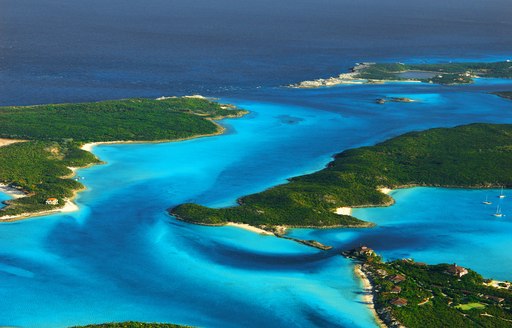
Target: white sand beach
5 142
68 207
249 228
90 145
385 190
344 211
368 294
13 192
348 210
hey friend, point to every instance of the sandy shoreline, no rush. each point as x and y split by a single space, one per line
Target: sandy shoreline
346 78
385 190
220 130
90 145
500 284
348 210
344 211
249 228
368 294
13 192
5 142
69 205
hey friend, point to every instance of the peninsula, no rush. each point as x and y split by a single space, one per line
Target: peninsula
443 73
470 156
405 293
55 136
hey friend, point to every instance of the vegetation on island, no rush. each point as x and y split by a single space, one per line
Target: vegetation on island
40 167
443 73
446 73
115 120
133 324
414 294
471 156
504 94
382 101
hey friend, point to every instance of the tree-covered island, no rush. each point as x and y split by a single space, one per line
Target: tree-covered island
470 156
504 94
54 134
443 73
412 294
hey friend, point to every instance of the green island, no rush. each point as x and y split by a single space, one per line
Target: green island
133 324
414 294
504 94
442 73
470 156
51 136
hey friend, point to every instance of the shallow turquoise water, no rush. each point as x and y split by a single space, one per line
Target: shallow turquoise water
448 225
436 225
121 257
2 198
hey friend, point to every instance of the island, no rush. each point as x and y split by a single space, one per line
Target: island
504 94
133 324
405 293
41 146
469 156
442 73
382 101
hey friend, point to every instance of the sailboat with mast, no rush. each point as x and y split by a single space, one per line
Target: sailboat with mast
498 213
502 195
486 201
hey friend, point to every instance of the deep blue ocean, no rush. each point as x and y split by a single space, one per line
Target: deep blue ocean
76 50
122 257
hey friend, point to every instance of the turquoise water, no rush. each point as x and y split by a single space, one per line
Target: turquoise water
436 225
2 198
448 225
121 257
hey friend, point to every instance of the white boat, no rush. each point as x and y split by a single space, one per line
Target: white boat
501 195
498 213
486 201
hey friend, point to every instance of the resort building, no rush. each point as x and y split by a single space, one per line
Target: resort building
398 278
495 298
363 251
396 290
457 271
399 302
52 201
